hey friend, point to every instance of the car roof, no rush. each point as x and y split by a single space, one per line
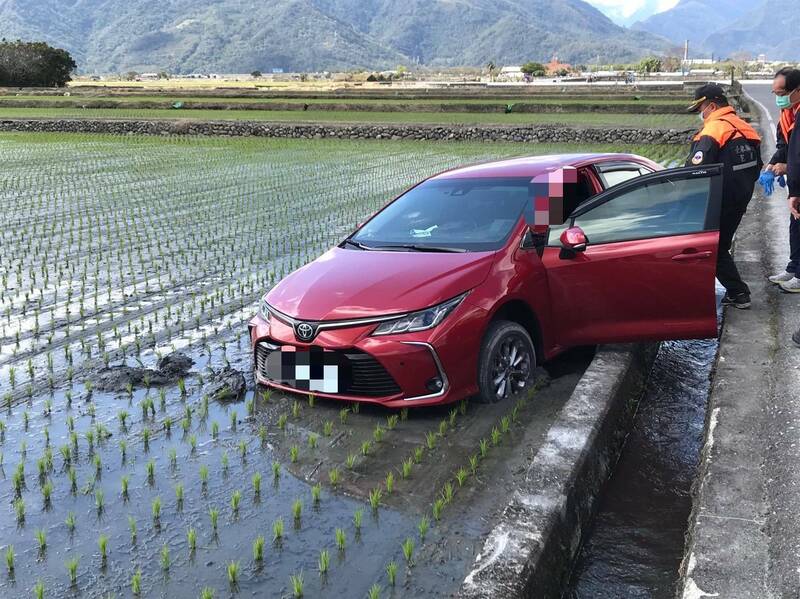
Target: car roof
531 166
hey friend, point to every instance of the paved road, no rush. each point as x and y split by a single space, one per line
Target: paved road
744 537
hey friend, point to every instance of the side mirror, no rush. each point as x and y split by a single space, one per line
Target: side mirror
574 239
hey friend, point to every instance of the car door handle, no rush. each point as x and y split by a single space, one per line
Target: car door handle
691 255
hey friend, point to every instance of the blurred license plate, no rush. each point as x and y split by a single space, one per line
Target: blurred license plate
314 369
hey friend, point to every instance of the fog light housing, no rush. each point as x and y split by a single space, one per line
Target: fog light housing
434 385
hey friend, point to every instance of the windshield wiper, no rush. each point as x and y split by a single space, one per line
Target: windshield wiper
421 248
360 246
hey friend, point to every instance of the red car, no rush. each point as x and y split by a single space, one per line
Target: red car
449 291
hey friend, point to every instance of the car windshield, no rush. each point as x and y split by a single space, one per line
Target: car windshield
448 214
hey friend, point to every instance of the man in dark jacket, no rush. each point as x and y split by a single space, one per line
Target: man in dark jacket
725 138
786 87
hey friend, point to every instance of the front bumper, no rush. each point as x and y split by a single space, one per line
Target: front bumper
395 371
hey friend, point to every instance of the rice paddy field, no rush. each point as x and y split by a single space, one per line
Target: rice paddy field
122 250
667 121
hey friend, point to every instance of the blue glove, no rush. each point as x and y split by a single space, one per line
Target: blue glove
781 181
767 181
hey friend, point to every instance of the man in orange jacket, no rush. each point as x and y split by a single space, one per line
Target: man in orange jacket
727 139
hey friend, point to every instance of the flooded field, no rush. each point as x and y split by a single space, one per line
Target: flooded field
121 251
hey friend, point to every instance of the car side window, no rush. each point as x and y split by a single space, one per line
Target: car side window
619 173
662 208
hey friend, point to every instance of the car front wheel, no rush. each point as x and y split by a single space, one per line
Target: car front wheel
507 361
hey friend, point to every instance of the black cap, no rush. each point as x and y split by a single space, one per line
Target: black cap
706 93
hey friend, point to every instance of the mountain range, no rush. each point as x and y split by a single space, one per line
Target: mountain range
183 36
731 28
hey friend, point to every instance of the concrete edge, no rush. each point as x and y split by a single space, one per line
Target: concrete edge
530 551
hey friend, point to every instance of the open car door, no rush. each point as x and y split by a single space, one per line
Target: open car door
638 261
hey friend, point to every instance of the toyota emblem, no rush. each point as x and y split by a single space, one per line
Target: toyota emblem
304 331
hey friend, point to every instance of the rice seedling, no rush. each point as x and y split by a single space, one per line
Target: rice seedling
389 482
374 592
483 448
150 469
408 550
391 422
277 530
312 399
378 433
343 413
366 447
473 464
276 470
296 581
207 593
341 539
243 449
179 495
406 467
155 509
355 407
391 572
430 439
10 560
296 410
19 509
213 514
136 582
257 484
293 453
262 434
316 493
41 539
334 476
214 429
132 528
72 569
102 544
327 428
350 461
505 424
375 496
422 527
192 445
224 460
236 499
266 395
38 590
419 453
495 436
358 518
70 522
461 475
447 492
191 540
438 506
324 562
203 473
451 419
312 441
282 420
47 492
258 549
233 419
462 407
164 557
182 387
443 428
297 510
123 449
146 438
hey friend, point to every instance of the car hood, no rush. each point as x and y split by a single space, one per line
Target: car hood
343 284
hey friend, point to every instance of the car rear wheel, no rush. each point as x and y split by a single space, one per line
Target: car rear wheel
507 361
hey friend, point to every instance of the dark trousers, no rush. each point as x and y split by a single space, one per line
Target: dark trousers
733 210
794 246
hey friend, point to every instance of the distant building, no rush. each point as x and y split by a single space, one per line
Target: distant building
697 61
762 58
148 76
511 74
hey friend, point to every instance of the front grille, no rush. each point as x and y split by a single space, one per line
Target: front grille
368 378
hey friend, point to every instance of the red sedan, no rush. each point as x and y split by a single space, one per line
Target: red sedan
454 289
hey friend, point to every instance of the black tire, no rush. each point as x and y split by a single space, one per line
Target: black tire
503 340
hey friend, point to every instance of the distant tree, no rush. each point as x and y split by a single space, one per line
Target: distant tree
671 64
534 69
34 64
492 68
401 70
256 74
163 75
130 76
648 65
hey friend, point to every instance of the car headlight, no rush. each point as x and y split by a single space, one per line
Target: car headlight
419 321
263 310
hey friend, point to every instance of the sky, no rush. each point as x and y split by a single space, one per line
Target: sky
626 12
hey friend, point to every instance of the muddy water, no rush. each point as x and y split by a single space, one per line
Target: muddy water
636 544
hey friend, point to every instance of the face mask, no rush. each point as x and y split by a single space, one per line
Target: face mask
784 101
